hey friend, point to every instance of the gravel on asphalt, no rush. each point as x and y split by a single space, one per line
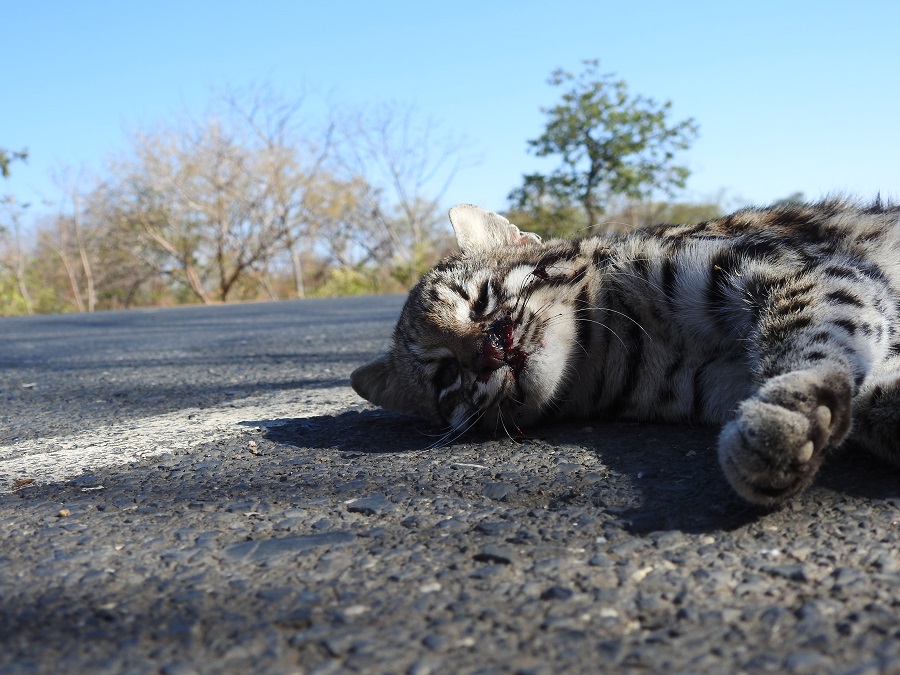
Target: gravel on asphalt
335 543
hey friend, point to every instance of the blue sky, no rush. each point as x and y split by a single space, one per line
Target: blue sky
789 96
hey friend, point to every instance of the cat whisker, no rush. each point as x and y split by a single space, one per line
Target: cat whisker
600 323
618 272
615 311
505 430
551 320
443 431
457 432
515 400
499 423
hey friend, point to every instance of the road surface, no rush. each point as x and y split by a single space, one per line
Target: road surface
198 490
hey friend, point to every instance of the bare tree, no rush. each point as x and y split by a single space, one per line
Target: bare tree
147 201
83 252
60 246
72 240
296 204
410 163
198 201
218 202
245 202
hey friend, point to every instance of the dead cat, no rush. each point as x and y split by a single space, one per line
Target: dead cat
780 324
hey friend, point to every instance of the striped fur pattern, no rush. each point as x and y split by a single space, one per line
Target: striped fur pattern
780 324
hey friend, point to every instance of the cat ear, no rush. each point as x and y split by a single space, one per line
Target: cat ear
478 230
376 383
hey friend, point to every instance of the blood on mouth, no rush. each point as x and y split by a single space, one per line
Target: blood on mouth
497 349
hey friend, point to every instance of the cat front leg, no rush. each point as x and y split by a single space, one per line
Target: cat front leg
774 446
816 338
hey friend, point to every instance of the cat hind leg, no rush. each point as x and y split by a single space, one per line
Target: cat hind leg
876 413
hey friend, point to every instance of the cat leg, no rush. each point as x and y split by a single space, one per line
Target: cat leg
876 413
810 356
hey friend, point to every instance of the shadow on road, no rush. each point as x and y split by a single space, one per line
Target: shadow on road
856 473
374 431
660 477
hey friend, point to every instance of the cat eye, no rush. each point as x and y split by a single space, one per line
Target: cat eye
446 374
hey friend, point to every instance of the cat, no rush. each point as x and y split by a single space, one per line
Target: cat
781 324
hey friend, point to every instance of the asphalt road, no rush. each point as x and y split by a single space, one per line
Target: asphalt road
197 490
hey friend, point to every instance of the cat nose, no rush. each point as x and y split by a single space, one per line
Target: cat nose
494 347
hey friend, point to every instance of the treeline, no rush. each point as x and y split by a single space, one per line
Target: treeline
247 203
251 203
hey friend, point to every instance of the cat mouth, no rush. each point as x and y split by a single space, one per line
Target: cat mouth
498 349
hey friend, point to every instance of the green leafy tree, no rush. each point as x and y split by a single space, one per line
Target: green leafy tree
548 218
611 144
793 198
7 158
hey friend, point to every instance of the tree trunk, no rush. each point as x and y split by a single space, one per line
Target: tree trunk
70 272
187 266
297 271
85 260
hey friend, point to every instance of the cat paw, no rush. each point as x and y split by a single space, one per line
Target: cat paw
775 445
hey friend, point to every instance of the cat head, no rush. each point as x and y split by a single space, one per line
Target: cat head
472 334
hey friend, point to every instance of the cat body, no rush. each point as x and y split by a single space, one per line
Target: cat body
781 324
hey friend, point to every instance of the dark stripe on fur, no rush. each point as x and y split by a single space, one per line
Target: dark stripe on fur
460 290
634 341
845 298
669 279
717 288
583 325
667 392
846 324
698 399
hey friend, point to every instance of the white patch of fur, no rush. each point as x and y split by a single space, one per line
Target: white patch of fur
563 268
492 388
545 365
461 311
450 389
518 278
459 416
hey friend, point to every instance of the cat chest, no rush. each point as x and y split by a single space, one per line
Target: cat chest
662 375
